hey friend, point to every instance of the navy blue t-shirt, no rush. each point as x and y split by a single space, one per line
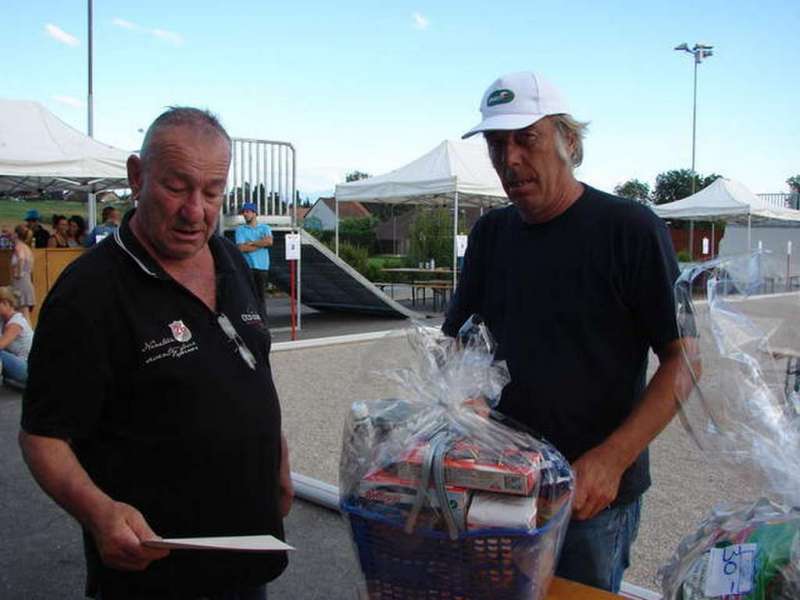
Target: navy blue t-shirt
574 305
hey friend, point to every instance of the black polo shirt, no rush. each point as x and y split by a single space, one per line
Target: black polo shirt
574 304
163 410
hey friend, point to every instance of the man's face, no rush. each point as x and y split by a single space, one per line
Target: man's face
62 227
530 168
249 217
113 216
180 190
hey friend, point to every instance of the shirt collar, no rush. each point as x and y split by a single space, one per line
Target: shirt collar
130 245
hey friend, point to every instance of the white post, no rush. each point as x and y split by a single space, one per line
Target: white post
90 202
455 239
749 234
691 240
712 238
336 205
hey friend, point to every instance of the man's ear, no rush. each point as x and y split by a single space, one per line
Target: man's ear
135 174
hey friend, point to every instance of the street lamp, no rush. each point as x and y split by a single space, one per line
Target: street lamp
700 51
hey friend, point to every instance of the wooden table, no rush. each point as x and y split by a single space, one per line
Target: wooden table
439 287
564 589
418 271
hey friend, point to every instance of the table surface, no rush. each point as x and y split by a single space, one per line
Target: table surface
436 271
564 589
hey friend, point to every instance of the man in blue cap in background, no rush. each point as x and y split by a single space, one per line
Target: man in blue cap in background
40 234
254 239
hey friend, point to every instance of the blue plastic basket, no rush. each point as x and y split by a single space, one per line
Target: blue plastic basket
428 565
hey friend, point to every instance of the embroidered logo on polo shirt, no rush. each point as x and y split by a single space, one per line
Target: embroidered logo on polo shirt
178 345
180 331
251 317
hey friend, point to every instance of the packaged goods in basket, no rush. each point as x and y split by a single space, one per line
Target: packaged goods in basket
742 412
445 497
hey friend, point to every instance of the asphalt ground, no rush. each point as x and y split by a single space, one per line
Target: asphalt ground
40 552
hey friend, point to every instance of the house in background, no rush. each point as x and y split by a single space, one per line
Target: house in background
322 216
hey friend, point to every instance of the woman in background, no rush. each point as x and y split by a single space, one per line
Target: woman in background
77 232
16 338
60 236
21 270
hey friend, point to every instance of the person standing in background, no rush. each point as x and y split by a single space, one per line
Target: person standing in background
21 272
254 240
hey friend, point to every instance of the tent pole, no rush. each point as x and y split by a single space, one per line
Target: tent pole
712 238
91 216
749 238
455 239
691 240
336 204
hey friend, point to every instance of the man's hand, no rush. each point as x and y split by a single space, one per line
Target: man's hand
287 488
119 530
247 247
597 476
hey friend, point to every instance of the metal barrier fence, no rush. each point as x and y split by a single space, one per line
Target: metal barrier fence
781 200
262 172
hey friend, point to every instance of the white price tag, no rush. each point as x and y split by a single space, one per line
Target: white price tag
292 241
705 246
461 245
730 570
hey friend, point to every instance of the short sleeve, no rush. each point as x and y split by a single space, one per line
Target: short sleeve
66 357
239 236
651 282
267 231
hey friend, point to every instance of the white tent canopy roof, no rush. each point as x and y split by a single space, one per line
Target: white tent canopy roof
38 151
725 198
452 166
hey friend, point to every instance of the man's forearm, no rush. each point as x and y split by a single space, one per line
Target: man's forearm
58 472
264 242
669 387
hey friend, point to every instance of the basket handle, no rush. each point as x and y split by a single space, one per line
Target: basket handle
433 464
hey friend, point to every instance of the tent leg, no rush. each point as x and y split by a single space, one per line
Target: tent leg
336 204
749 235
713 229
455 239
691 240
91 212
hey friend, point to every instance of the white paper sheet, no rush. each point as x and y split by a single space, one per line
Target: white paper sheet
243 543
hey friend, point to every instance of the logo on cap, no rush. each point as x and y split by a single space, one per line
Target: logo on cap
499 97
180 331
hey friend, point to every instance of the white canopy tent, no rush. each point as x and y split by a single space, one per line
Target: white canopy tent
729 200
38 151
456 169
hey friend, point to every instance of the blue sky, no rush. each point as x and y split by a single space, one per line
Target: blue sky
372 85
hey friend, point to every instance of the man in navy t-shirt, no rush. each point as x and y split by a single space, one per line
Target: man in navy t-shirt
576 287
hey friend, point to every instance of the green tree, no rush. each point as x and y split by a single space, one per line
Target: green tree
356 175
676 184
794 183
633 189
358 231
431 237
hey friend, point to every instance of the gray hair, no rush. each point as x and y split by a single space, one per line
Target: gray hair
176 116
566 128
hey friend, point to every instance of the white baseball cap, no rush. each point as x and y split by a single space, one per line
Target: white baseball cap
518 100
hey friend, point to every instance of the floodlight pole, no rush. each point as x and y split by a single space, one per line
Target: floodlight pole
700 51
90 201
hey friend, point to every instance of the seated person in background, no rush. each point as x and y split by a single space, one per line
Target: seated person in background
16 338
77 232
60 237
110 223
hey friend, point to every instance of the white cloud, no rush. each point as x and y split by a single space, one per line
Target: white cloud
60 35
171 37
176 39
420 21
125 24
70 101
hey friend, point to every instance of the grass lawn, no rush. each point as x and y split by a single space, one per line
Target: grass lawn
12 212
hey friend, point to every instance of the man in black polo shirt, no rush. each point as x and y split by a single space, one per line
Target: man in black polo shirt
576 287
178 430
